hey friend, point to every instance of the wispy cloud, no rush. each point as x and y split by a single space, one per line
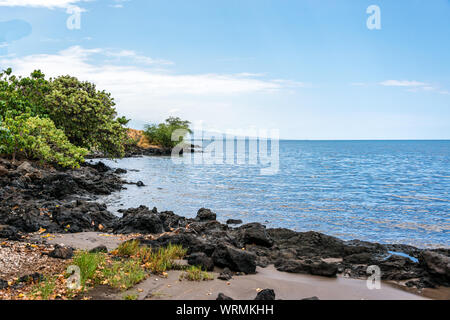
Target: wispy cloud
50 4
118 4
139 59
413 86
141 85
402 83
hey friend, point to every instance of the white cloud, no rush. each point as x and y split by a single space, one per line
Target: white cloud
51 4
412 86
145 91
118 4
402 83
139 59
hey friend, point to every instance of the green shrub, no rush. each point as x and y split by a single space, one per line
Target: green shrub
44 289
130 296
88 263
195 273
161 259
20 95
128 248
39 139
124 274
86 115
161 134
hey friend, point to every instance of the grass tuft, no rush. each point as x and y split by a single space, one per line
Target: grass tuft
44 289
130 296
128 248
195 273
88 264
124 274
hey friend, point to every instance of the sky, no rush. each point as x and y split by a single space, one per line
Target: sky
310 69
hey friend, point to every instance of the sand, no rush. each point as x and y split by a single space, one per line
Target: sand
287 286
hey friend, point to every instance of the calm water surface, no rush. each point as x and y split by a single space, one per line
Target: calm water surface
384 191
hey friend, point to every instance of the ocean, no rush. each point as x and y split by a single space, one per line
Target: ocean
379 191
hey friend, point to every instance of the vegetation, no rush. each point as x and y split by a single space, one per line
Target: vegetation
128 248
131 296
88 264
57 120
44 289
40 139
169 133
120 269
123 274
155 260
86 115
195 273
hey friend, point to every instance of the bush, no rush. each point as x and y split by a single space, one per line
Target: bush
195 273
39 139
23 95
88 264
86 115
161 134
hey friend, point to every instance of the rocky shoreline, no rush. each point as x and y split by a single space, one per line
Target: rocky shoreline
36 198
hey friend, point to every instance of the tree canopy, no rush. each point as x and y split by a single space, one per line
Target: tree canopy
161 134
67 115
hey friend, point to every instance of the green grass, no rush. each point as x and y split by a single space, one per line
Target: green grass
195 273
161 259
124 274
44 289
128 248
88 264
130 296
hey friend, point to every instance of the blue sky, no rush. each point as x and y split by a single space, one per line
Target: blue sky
311 69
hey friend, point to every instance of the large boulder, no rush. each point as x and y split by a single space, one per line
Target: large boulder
254 233
222 296
82 216
359 258
235 259
171 220
139 220
9 232
202 260
26 167
205 215
61 252
308 244
436 263
186 240
266 294
59 186
318 268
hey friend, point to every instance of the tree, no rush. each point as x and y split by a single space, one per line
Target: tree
23 95
161 134
86 115
38 138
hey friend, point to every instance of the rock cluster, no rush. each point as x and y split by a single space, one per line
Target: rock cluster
33 198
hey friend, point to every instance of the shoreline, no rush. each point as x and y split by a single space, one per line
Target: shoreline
42 201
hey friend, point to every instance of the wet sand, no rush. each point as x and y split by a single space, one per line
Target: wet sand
287 286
